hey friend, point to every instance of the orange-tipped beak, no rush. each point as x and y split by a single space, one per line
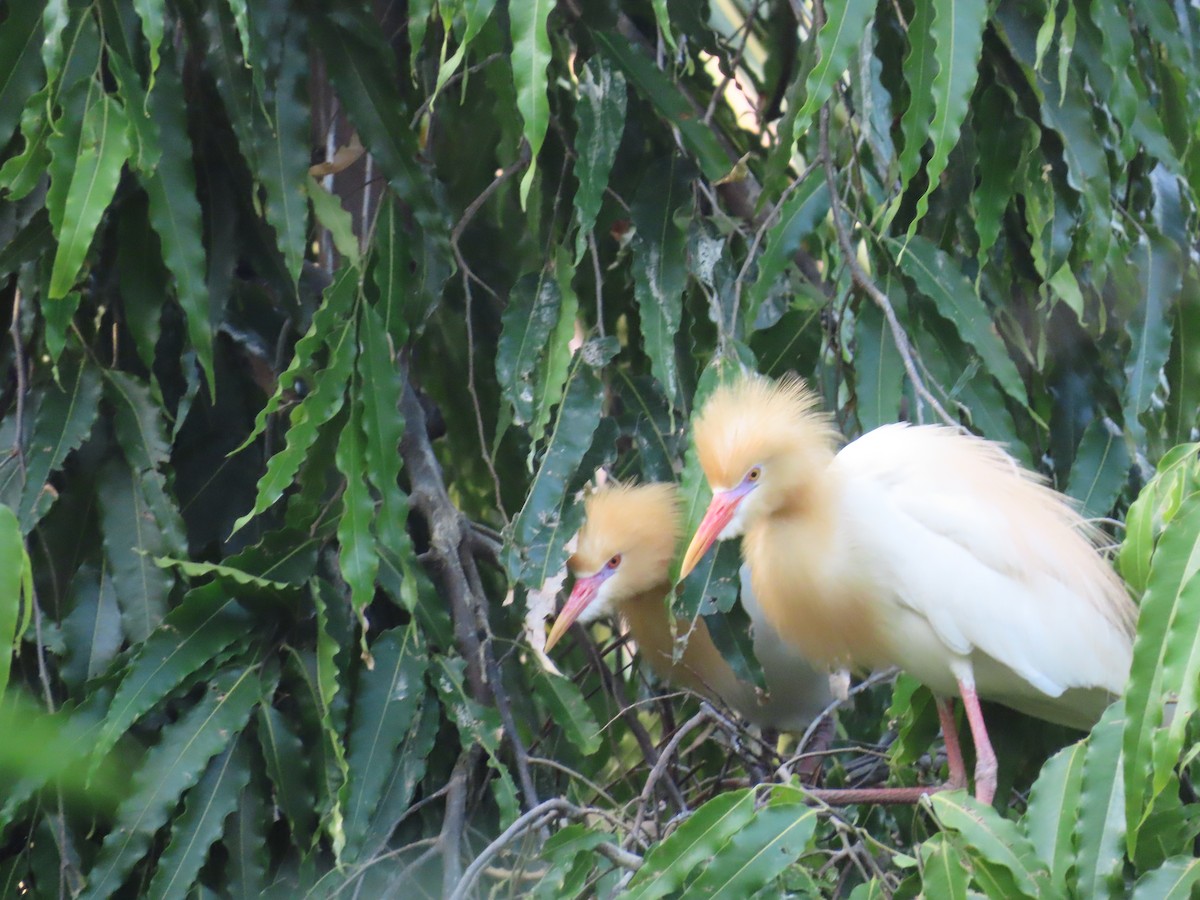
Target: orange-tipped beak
582 594
719 513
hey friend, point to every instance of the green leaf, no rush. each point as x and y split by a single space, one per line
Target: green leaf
476 724
323 402
288 768
670 102
600 123
1100 470
202 821
92 630
551 373
328 685
939 278
1176 879
660 266
175 210
1003 138
836 42
534 542
191 635
388 701
202 569
357 555
942 871
63 419
528 321
151 12
84 176
759 851
957 29
16 590
562 854
476 13
172 766
699 838
1166 665
330 213
569 711
1156 263
1100 823
1183 368
1004 861
132 538
878 369
796 219
20 63
530 59
1178 477
246 842
1053 808
920 69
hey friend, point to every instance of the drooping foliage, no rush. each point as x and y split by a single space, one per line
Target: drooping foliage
321 316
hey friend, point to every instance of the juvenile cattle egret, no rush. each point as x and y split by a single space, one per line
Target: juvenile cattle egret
916 546
622 564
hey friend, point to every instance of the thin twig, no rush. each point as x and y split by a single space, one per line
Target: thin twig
864 282
452 821
663 759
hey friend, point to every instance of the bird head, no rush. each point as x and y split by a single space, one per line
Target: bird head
625 548
760 442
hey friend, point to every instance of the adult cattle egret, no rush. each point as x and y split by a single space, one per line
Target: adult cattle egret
622 565
916 546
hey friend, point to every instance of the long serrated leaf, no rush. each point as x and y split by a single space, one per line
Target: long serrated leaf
1176 879
475 13
796 219
1156 262
551 374
202 821
175 210
845 23
1002 137
939 278
132 538
759 851
357 555
920 67
530 58
15 589
535 542
246 843
287 765
957 30
526 326
670 102
1099 831
700 837
1166 664
878 369
328 686
322 404
660 267
600 123
329 212
569 711
173 765
1053 807
995 846
92 168
1178 477
477 724
387 701
20 63
196 631
1100 470
92 630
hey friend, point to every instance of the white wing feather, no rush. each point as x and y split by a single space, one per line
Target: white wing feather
975 555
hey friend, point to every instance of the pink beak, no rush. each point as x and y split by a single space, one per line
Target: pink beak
719 514
582 594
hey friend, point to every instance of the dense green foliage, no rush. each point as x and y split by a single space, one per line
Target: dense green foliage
290 451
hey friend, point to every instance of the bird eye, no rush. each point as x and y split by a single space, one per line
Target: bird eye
615 561
754 474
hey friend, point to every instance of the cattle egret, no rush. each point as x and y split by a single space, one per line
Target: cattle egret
916 546
622 564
